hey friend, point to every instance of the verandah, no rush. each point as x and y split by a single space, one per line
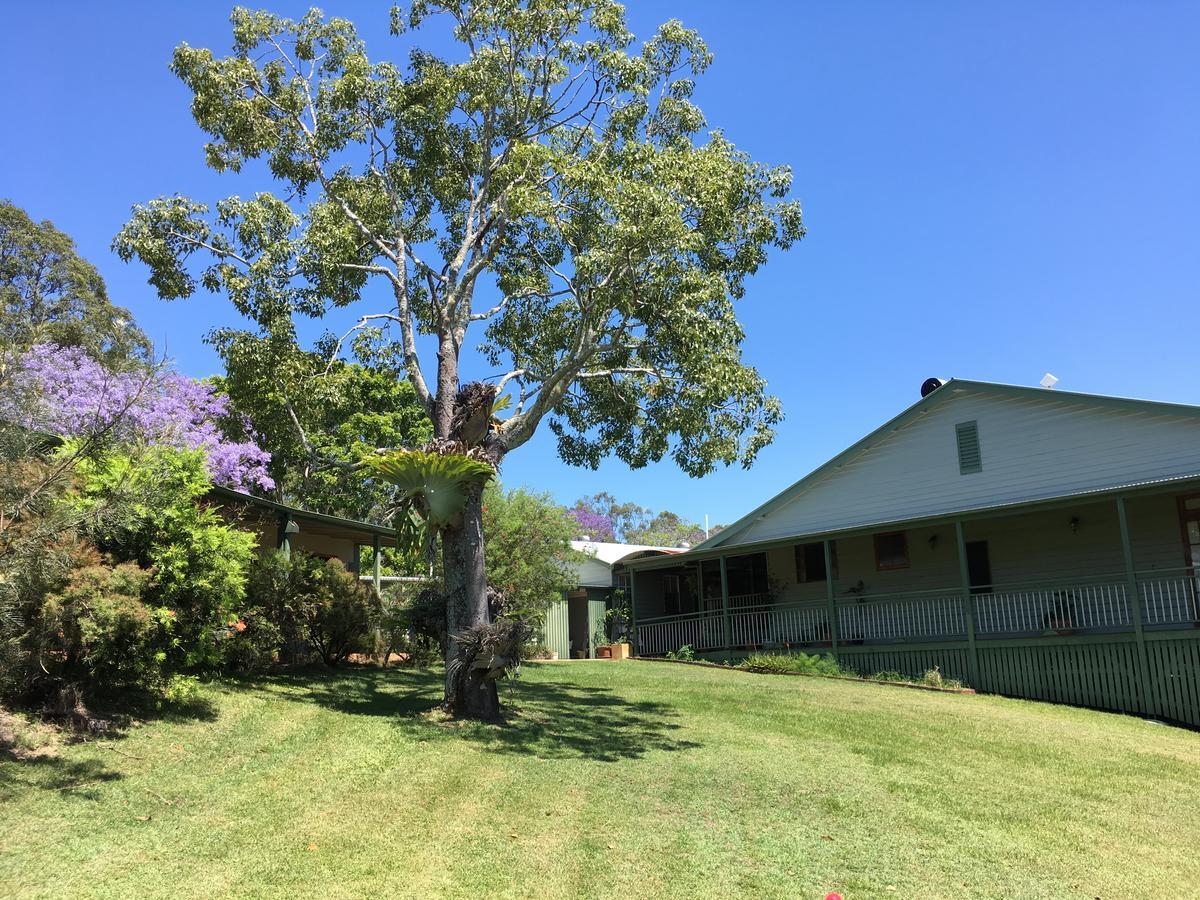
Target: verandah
1114 636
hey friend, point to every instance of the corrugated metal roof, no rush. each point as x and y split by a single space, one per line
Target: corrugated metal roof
610 554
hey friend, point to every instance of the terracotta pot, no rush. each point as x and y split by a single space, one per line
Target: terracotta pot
604 651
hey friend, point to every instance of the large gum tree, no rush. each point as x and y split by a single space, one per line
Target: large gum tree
546 194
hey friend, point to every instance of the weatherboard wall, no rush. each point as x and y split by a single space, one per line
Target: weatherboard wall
1032 448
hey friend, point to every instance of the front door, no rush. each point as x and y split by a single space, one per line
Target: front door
979 567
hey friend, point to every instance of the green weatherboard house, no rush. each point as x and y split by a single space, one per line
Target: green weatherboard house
1031 542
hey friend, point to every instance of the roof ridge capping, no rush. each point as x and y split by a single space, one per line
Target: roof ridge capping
920 407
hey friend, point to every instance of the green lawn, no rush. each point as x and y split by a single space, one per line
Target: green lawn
614 779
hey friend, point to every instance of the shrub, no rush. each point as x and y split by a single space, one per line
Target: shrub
685 653
101 631
299 606
199 562
412 622
792 663
341 613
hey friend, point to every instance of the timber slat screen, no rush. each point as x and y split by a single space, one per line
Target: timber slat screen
1079 642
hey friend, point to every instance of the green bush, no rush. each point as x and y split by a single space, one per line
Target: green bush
413 622
300 607
341 613
685 653
199 562
99 629
792 664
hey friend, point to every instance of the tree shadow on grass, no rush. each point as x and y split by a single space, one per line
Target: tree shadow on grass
105 723
76 778
543 719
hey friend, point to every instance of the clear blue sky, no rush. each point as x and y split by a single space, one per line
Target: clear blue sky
990 193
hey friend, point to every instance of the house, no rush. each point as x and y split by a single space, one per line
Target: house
282 527
1032 542
572 622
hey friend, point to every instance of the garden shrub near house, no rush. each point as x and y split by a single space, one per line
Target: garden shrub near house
117 578
302 607
100 628
199 562
793 664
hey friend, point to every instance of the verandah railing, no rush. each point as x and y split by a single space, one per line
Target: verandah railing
1169 599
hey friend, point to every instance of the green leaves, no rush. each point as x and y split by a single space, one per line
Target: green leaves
545 160
51 295
435 483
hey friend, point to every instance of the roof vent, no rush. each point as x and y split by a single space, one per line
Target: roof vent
929 385
970 457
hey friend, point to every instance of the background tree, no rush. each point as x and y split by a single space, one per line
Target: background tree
602 517
346 411
529 551
563 175
51 295
63 391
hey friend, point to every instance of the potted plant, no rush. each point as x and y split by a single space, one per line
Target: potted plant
600 642
618 618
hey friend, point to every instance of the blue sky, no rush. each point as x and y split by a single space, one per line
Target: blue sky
991 192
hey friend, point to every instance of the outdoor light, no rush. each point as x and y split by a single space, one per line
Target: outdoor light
1074 524
932 541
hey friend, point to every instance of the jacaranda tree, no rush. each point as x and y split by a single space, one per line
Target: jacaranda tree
547 183
63 391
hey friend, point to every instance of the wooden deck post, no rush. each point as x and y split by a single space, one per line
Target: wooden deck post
375 576
283 537
1135 607
831 599
968 605
727 623
633 612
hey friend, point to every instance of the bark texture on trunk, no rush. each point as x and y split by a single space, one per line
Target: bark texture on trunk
466 605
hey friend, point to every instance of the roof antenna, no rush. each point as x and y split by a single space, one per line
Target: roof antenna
1048 381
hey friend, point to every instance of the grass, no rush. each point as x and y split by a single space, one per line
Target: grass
612 779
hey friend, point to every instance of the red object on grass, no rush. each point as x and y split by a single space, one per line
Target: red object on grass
833 896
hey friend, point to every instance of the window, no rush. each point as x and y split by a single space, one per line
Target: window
810 562
970 457
747 577
891 551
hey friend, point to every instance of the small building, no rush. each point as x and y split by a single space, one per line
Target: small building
282 527
1031 542
575 623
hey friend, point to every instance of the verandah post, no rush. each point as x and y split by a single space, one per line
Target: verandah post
1135 607
831 600
727 624
633 633
375 573
968 605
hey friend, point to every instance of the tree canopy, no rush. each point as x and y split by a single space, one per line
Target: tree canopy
49 294
602 517
547 183
345 411
553 164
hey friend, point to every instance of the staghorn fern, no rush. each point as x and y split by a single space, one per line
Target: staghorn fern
432 484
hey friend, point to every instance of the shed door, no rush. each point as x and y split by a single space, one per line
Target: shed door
596 610
557 631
